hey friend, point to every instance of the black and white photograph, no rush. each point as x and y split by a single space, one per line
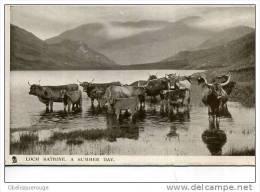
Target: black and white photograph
134 84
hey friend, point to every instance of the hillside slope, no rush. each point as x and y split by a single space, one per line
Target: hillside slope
234 54
226 36
28 52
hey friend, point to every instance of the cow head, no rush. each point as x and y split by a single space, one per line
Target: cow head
215 97
36 89
151 77
87 86
171 76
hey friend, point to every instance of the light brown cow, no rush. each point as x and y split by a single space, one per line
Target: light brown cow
73 98
130 103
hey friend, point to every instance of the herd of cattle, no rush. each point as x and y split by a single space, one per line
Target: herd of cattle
174 92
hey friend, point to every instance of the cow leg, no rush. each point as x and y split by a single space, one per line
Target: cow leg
80 103
65 106
69 105
209 110
118 111
99 105
47 107
217 123
92 102
109 109
51 106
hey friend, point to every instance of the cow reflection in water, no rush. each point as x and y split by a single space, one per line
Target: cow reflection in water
58 116
172 133
214 138
122 129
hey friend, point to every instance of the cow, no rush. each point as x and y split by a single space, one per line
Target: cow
142 84
130 103
116 92
96 90
215 97
175 100
50 94
177 95
155 87
182 82
73 98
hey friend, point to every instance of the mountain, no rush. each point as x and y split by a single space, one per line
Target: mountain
28 52
142 41
225 36
239 53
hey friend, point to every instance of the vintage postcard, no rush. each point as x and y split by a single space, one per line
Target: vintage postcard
130 85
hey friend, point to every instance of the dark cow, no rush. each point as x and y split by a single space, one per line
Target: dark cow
156 86
72 98
50 94
116 92
215 97
96 90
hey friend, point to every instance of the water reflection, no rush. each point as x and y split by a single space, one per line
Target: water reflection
121 129
58 116
214 138
181 117
173 133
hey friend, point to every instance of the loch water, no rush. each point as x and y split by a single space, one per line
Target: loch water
94 132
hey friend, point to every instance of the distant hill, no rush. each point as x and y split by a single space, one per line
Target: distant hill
28 52
234 55
225 36
153 40
237 53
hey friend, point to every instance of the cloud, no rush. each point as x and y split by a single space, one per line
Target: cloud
46 21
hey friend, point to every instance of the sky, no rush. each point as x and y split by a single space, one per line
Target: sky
46 21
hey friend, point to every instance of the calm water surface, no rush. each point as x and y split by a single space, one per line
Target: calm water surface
94 132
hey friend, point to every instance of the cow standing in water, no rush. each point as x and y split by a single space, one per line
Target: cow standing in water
114 93
50 94
155 87
126 104
72 98
215 97
96 90
177 96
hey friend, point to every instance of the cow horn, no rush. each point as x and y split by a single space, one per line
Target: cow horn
206 82
228 80
92 80
29 83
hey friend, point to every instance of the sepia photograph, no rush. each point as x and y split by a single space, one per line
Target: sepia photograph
130 84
